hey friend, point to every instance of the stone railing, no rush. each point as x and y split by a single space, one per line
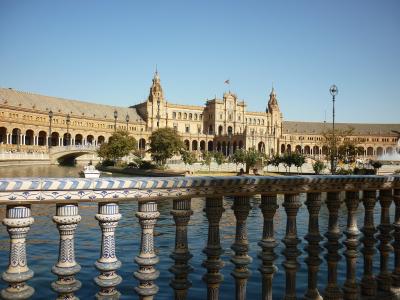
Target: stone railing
20 194
87 147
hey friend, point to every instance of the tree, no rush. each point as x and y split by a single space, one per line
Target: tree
298 160
219 158
188 158
276 161
288 161
119 145
342 146
376 165
318 166
207 159
251 158
164 143
239 157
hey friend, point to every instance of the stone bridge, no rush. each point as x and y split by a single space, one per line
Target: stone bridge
57 154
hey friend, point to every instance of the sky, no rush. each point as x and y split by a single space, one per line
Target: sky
107 51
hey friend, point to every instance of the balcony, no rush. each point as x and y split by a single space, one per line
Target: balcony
339 260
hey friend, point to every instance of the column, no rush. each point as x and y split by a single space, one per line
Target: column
396 243
291 204
8 139
67 220
181 212
241 207
108 216
313 238
147 273
332 290
268 243
384 277
18 221
368 282
213 250
350 288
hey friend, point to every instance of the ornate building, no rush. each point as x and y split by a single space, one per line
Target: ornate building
30 122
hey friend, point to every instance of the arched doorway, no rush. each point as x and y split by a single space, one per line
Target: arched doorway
194 145
55 137
240 144
282 148
219 146
224 148
142 144
379 151
210 129
210 146
29 137
78 139
3 135
324 150
220 129
100 140
67 139
297 149
261 147
370 151
315 150
187 144
90 139
15 136
389 150
234 146
42 138
230 130
288 148
307 149
202 146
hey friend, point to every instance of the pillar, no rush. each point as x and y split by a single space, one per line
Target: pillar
147 273
67 219
18 221
108 216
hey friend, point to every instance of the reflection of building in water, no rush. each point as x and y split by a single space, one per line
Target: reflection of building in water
222 124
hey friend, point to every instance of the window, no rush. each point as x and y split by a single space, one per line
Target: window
195 116
185 116
179 115
220 116
190 116
174 115
187 129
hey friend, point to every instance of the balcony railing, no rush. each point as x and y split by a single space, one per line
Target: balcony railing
20 194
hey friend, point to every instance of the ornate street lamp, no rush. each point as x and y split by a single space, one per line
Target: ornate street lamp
68 122
127 122
50 121
115 120
334 91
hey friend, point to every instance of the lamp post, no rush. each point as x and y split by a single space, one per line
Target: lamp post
115 120
50 121
127 122
334 91
68 122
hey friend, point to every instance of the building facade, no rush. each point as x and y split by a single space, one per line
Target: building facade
31 122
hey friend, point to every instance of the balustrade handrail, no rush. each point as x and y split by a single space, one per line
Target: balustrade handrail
18 194
54 190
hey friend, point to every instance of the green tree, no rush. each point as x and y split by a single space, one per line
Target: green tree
239 157
252 157
119 145
298 160
164 143
318 166
376 165
219 158
276 160
288 161
188 158
207 159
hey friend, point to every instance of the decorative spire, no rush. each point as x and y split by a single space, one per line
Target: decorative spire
156 91
273 101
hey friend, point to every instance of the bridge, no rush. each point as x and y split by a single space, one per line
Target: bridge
65 153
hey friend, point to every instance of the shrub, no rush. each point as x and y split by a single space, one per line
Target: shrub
318 166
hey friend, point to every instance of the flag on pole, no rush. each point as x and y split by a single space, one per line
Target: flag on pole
226 81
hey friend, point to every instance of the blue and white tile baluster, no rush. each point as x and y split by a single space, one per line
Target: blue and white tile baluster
147 273
108 217
18 221
67 220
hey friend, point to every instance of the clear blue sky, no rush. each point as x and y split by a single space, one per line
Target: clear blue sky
106 52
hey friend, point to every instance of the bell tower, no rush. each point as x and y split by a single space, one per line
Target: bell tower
156 104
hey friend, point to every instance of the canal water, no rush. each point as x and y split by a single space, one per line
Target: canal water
42 245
